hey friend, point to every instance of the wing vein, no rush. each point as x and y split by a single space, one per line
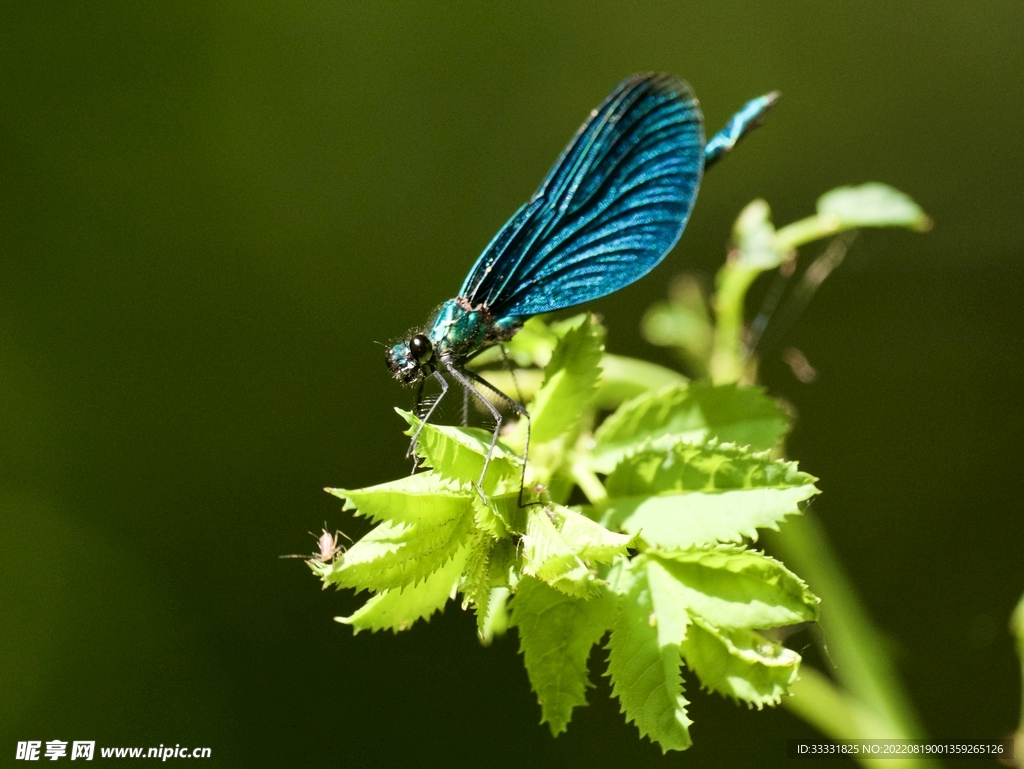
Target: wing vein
611 207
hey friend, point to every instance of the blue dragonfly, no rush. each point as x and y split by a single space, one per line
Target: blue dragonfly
613 205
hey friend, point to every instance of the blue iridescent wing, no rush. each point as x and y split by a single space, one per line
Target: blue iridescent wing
609 210
739 125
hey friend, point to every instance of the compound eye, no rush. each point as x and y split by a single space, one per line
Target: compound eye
421 348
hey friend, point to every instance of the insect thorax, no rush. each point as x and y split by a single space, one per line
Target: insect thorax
459 329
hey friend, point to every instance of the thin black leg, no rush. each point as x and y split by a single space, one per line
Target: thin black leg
511 372
465 378
418 408
517 407
425 418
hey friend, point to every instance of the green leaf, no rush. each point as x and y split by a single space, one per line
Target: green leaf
623 378
483 585
682 323
458 453
872 205
590 540
547 556
506 562
496 621
559 543
754 237
740 663
398 609
693 414
476 580
645 674
393 555
487 520
691 495
570 380
669 601
500 515
556 633
621 576
732 587
407 500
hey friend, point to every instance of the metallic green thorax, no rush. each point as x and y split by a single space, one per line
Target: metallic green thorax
457 332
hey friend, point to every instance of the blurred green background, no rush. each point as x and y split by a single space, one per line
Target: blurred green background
211 211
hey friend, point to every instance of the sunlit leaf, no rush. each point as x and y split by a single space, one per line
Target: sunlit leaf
458 453
732 587
476 580
694 413
393 555
872 205
398 609
496 619
409 499
570 380
547 556
645 674
560 544
740 663
556 633
691 495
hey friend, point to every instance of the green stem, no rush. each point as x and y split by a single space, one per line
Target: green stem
727 355
1017 628
873 704
589 484
834 712
623 378
728 358
804 231
854 644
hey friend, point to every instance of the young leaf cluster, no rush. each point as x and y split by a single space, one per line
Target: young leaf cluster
637 528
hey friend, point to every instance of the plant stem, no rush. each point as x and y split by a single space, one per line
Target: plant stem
883 711
727 355
832 711
589 484
1017 628
873 704
806 230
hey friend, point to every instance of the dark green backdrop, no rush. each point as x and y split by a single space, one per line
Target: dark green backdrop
211 211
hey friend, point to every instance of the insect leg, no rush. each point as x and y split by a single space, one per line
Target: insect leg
517 407
523 415
426 418
511 373
466 378
417 409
